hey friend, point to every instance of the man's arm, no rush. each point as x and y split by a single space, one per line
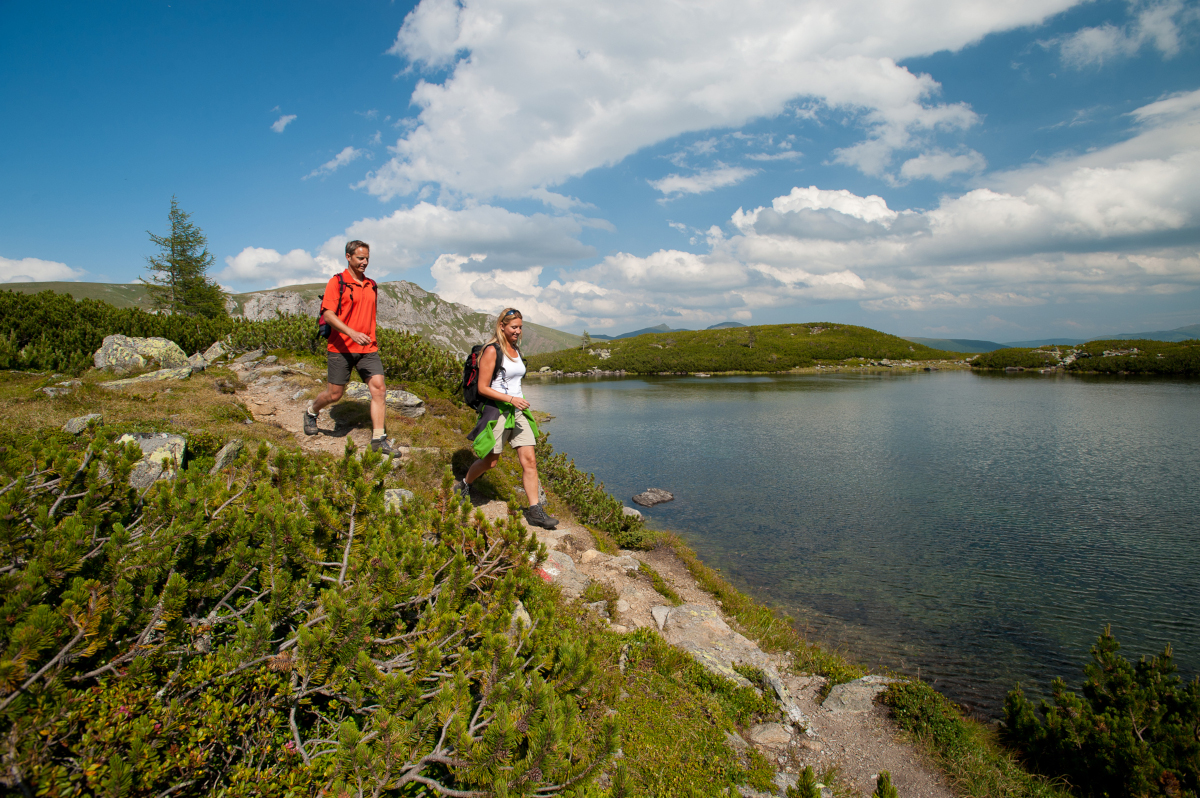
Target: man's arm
330 318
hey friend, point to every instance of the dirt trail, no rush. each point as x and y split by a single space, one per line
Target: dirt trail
858 741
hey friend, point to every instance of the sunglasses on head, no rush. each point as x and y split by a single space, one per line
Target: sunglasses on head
511 312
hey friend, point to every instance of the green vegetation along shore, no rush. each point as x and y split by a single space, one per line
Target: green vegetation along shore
1100 357
764 348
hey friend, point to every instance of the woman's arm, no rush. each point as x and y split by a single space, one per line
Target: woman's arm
487 367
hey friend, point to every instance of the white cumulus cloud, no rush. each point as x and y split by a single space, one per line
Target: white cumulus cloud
535 93
36 270
940 165
347 155
420 235
1157 24
702 181
279 124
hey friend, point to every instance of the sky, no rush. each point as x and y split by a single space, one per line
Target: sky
939 168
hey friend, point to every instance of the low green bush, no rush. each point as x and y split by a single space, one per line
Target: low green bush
48 331
273 629
973 760
1017 357
1134 730
406 357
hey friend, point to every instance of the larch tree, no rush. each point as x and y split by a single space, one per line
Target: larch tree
179 281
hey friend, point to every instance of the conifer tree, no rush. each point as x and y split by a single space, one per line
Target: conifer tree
585 340
179 281
884 787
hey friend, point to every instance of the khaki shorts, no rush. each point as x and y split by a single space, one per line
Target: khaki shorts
519 435
338 365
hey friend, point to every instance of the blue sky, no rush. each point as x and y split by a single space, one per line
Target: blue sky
942 168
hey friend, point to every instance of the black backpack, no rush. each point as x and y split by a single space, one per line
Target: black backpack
470 380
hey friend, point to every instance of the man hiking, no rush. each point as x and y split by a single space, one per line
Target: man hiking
348 307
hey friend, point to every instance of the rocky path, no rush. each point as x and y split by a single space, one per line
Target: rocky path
847 730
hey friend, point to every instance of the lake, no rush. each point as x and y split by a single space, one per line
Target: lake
976 530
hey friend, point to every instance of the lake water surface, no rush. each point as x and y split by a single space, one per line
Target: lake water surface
977 530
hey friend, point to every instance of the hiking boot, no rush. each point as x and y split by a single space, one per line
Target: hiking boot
384 446
463 491
310 423
536 516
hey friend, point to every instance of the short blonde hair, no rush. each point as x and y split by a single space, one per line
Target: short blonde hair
505 316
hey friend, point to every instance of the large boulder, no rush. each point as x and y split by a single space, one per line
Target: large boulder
162 455
406 404
122 354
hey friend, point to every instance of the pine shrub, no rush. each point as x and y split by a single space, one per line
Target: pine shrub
1134 730
884 787
273 630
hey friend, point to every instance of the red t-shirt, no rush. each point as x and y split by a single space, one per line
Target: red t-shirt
358 312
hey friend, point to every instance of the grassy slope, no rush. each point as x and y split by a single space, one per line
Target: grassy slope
121 295
764 348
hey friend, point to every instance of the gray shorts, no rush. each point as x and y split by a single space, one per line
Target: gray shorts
368 364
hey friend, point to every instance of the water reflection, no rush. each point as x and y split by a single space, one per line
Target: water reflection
980 529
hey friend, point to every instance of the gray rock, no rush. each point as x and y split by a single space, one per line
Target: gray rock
736 742
299 393
122 354
770 735
55 391
269 359
520 616
394 497
598 607
197 362
228 455
215 352
560 569
153 376
631 511
653 496
162 455
858 695
249 357
80 423
700 631
407 404
660 614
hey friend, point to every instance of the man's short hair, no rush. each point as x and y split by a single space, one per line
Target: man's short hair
353 246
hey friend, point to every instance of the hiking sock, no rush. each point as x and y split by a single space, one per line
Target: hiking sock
377 434
310 410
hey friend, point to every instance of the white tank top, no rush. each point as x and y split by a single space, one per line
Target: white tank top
510 381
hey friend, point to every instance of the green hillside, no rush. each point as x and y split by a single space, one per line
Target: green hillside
120 295
763 348
1114 356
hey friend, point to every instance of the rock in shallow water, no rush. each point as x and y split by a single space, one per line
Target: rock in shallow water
653 496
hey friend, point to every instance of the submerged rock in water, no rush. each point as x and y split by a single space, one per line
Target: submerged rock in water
653 496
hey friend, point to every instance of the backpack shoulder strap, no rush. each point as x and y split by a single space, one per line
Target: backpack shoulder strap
341 288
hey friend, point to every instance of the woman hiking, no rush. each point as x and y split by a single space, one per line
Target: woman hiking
505 415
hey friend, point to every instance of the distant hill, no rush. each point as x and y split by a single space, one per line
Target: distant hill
725 325
763 348
957 344
1187 333
661 328
402 306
